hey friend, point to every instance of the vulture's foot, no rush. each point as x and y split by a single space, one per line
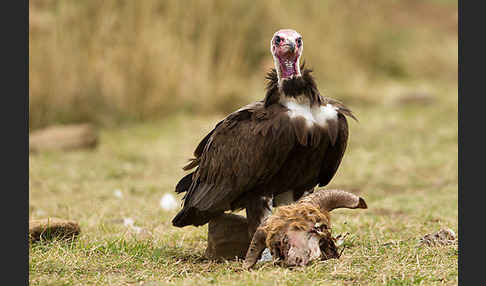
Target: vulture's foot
227 237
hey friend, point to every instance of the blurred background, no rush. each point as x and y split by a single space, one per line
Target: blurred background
113 61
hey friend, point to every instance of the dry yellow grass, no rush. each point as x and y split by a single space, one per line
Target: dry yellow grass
112 61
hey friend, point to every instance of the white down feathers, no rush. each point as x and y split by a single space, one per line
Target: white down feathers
300 107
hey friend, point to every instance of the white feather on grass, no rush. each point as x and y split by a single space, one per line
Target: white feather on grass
128 221
118 193
168 202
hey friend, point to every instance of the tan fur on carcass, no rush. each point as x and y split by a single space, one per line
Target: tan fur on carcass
294 217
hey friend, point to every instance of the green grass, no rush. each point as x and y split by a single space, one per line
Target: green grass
401 158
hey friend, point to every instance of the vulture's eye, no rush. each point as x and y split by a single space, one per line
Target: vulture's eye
277 40
299 42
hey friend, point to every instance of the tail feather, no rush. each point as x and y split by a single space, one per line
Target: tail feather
180 220
191 213
192 216
184 183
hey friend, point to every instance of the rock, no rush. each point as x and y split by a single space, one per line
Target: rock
442 237
227 237
66 137
51 228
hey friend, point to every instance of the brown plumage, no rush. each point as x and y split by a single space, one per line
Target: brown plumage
291 141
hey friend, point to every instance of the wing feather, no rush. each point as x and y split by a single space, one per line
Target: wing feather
334 154
242 152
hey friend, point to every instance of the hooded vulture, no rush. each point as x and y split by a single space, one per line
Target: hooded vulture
270 151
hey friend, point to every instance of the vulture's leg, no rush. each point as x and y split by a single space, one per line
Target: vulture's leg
298 194
257 209
227 237
290 197
283 199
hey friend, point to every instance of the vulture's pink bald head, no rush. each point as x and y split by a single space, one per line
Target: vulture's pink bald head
286 47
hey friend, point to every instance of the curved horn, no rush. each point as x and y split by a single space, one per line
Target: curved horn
257 246
334 199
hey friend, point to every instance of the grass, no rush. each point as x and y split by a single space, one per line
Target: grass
402 158
111 62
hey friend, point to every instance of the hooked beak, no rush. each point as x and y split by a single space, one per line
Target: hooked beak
290 46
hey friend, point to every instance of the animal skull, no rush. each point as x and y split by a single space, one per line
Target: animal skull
300 233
